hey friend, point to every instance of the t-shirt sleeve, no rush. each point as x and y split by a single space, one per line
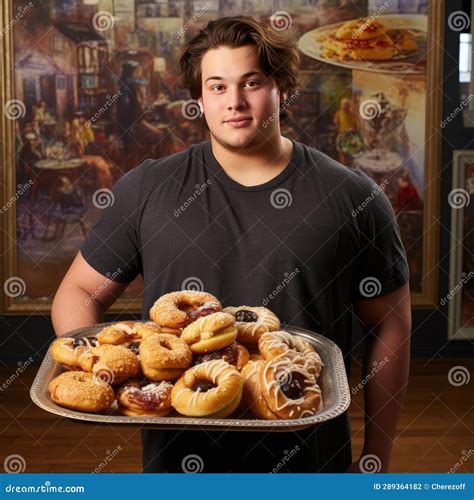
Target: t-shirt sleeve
112 246
380 265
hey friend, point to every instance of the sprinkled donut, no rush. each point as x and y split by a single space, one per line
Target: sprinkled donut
127 331
176 310
81 391
112 363
164 356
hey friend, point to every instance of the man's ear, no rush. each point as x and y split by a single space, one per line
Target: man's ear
201 107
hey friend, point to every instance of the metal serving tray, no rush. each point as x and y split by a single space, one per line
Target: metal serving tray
333 383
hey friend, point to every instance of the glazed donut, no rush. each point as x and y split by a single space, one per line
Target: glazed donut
289 389
275 344
112 363
81 391
68 350
235 354
143 397
210 333
252 322
176 310
164 356
253 393
212 389
127 331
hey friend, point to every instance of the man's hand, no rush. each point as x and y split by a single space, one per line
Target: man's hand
387 323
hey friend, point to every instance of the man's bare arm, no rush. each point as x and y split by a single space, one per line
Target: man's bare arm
387 320
83 297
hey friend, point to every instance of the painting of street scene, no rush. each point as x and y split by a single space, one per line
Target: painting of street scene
97 91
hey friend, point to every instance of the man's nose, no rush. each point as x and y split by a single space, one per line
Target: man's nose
236 98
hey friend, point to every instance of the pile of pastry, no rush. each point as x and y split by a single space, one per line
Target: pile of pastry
195 358
366 39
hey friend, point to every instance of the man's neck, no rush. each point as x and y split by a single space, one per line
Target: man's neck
255 166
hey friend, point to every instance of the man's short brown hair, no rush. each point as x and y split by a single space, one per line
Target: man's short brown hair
278 58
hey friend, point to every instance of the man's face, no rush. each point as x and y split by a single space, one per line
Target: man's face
229 91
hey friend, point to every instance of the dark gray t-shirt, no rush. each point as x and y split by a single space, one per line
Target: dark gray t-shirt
306 244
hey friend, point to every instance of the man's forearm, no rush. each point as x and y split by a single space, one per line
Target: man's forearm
74 308
386 371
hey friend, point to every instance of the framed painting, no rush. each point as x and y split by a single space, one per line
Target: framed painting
460 298
70 126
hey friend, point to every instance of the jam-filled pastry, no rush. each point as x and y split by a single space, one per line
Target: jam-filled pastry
127 331
68 350
176 310
164 356
212 389
280 389
81 391
283 344
252 394
289 389
112 363
144 397
235 354
210 333
252 322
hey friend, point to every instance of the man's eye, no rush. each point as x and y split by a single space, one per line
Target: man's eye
252 81
215 87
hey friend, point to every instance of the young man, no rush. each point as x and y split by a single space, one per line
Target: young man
257 219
